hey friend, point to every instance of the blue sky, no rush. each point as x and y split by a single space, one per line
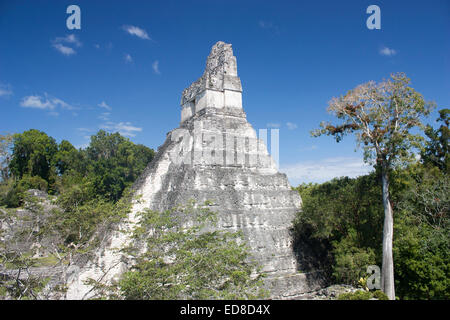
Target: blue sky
125 69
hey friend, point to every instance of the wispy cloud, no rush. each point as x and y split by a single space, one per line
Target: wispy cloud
136 31
67 51
86 134
124 128
310 148
265 24
291 126
268 25
105 116
128 58
325 169
104 106
44 103
70 39
36 102
273 125
5 90
61 103
385 51
155 67
65 44
87 130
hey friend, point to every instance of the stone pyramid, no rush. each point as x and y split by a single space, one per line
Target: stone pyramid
216 155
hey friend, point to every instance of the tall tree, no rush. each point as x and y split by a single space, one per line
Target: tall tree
383 117
65 157
32 154
115 162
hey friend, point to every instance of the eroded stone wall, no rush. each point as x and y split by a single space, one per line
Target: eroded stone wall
215 155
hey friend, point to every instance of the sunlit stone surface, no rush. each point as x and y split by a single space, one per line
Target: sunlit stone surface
216 155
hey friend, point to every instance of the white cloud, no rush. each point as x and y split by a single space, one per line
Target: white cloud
385 51
105 116
124 128
136 31
70 38
273 125
104 105
85 130
128 58
310 148
269 26
262 24
5 90
62 104
62 44
325 169
291 126
155 67
44 103
265 24
67 51
36 102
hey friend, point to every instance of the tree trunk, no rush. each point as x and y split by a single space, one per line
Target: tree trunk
387 269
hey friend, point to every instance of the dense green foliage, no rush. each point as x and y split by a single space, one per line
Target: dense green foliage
32 155
436 150
422 246
346 216
109 165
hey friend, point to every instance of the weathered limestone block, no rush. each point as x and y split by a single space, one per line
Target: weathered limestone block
218 87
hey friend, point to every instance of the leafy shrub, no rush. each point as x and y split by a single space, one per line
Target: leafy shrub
351 261
35 182
78 224
363 295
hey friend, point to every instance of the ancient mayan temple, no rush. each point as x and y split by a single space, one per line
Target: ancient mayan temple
216 155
